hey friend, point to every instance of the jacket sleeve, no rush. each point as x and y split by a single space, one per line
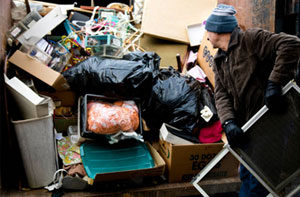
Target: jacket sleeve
284 48
223 101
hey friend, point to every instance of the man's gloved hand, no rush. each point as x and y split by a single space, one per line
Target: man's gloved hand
273 96
234 133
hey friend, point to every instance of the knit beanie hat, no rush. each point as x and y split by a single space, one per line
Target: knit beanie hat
222 19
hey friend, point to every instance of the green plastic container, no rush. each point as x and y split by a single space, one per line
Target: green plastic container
100 157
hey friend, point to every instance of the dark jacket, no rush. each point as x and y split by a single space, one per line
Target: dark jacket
241 73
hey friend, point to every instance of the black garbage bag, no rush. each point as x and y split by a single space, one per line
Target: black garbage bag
131 76
207 100
175 100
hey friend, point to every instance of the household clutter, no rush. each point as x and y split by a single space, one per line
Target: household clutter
88 95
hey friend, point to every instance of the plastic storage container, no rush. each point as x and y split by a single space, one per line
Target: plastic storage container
98 158
83 114
38 149
23 25
105 45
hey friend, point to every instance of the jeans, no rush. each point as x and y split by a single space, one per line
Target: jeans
250 185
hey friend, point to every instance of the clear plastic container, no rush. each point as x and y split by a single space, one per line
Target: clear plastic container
35 52
31 18
105 45
22 26
109 51
14 32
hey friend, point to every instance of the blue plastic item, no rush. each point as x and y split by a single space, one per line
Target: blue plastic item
98 158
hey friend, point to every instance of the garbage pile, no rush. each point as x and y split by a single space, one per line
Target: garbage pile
87 69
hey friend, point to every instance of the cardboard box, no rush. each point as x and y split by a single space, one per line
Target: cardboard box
157 170
186 161
39 70
61 124
205 58
62 98
169 19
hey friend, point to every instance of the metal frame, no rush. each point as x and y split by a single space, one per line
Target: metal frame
226 149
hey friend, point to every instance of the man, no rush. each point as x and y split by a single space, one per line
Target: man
250 69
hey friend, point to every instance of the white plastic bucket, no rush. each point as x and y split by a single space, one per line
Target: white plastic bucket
36 140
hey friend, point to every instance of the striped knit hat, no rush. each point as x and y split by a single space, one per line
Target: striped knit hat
222 19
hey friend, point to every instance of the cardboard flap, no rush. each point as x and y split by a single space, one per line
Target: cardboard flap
169 18
205 58
39 70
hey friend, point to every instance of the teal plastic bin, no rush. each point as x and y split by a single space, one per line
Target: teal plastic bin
100 158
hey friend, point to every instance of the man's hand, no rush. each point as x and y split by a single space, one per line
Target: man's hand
273 96
234 133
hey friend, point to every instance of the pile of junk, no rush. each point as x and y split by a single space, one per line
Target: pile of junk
87 100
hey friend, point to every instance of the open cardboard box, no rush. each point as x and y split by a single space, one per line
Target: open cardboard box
205 58
157 170
39 70
183 162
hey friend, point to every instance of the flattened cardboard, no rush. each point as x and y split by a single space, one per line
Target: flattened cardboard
167 50
186 161
168 19
205 58
39 70
157 170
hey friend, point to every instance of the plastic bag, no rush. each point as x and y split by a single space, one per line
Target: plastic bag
131 76
109 118
175 101
207 101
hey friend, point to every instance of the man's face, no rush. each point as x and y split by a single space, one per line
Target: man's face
214 39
